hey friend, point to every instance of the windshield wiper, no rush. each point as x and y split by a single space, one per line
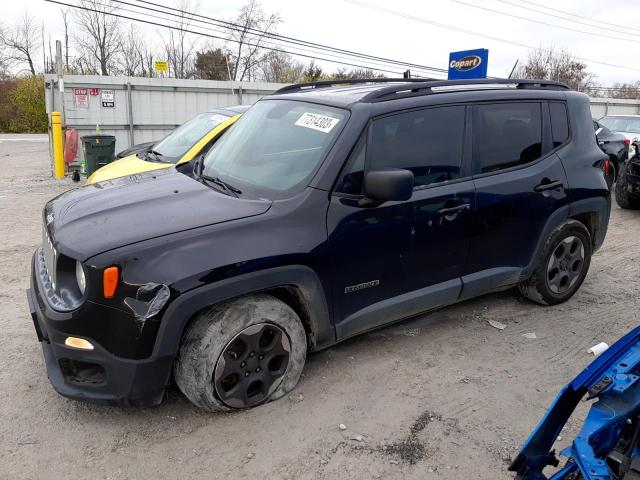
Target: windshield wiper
221 183
157 156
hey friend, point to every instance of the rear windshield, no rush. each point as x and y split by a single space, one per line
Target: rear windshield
622 124
276 146
176 144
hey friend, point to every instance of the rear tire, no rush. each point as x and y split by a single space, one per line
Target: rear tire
623 197
241 353
561 267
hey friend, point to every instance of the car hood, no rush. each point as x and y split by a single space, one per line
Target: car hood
93 219
611 374
125 166
629 135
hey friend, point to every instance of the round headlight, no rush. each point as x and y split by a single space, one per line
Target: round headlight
80 278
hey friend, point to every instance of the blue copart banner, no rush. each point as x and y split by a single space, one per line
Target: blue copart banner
468 64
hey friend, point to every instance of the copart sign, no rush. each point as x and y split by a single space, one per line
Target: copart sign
468 64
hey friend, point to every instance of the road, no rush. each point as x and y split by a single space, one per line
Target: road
441 396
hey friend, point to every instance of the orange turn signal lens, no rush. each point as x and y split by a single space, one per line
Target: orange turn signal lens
110 279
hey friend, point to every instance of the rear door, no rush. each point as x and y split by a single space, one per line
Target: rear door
520 183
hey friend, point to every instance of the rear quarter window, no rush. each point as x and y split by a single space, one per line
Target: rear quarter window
559 123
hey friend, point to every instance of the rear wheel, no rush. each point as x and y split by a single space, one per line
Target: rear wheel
623 197
562 266
241 353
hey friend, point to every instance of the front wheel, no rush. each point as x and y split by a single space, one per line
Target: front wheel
241 353
562 265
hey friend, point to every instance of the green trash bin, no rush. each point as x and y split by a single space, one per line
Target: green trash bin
98 151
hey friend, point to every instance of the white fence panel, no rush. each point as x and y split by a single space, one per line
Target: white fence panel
145 109
614 106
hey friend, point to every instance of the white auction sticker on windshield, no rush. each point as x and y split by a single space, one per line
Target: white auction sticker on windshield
318 122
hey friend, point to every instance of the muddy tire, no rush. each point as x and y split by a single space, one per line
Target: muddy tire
623 198
561 267
241 353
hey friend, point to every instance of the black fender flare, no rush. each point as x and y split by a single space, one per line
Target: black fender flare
600 206
301 277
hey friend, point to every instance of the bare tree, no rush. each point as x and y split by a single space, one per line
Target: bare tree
65 21
99 35
131 59
50 63
147 54
179 46
21 43
355 73
81 66
281 68
550 63
4 62
625 90
148 57
254 27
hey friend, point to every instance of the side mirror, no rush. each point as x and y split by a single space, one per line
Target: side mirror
391 184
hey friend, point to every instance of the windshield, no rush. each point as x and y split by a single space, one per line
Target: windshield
275 146
176 144
622 124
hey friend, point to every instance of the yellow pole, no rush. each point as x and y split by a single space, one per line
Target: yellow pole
58 156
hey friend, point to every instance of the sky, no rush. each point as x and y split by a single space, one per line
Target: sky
414 31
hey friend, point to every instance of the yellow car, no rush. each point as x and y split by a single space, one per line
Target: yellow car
180 146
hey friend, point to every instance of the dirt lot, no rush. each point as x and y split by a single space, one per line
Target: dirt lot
442 396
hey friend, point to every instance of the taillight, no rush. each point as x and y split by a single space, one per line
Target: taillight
607 166
627 142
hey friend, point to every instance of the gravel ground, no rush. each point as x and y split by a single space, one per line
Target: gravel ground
442 396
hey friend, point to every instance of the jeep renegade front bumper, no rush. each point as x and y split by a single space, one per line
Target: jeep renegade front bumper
96 374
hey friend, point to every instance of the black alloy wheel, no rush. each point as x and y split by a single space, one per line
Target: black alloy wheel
252 365
565 265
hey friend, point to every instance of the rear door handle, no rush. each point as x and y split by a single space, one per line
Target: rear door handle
453 210
547 186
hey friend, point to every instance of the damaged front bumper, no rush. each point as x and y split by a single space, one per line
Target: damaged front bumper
97 374
605 448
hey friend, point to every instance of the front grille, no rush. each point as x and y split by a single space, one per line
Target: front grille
50 256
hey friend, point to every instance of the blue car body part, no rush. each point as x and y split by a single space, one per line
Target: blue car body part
607 446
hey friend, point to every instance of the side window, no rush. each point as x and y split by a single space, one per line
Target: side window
351 177
506 135
428 142
559 123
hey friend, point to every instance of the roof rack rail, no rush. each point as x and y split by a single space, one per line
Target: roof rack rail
425 87
332 83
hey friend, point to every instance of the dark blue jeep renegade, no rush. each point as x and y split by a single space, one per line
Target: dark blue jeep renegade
324 212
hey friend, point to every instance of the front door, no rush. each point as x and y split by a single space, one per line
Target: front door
368 246
398 259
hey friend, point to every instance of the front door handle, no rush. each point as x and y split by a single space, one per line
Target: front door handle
547 186
454 210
